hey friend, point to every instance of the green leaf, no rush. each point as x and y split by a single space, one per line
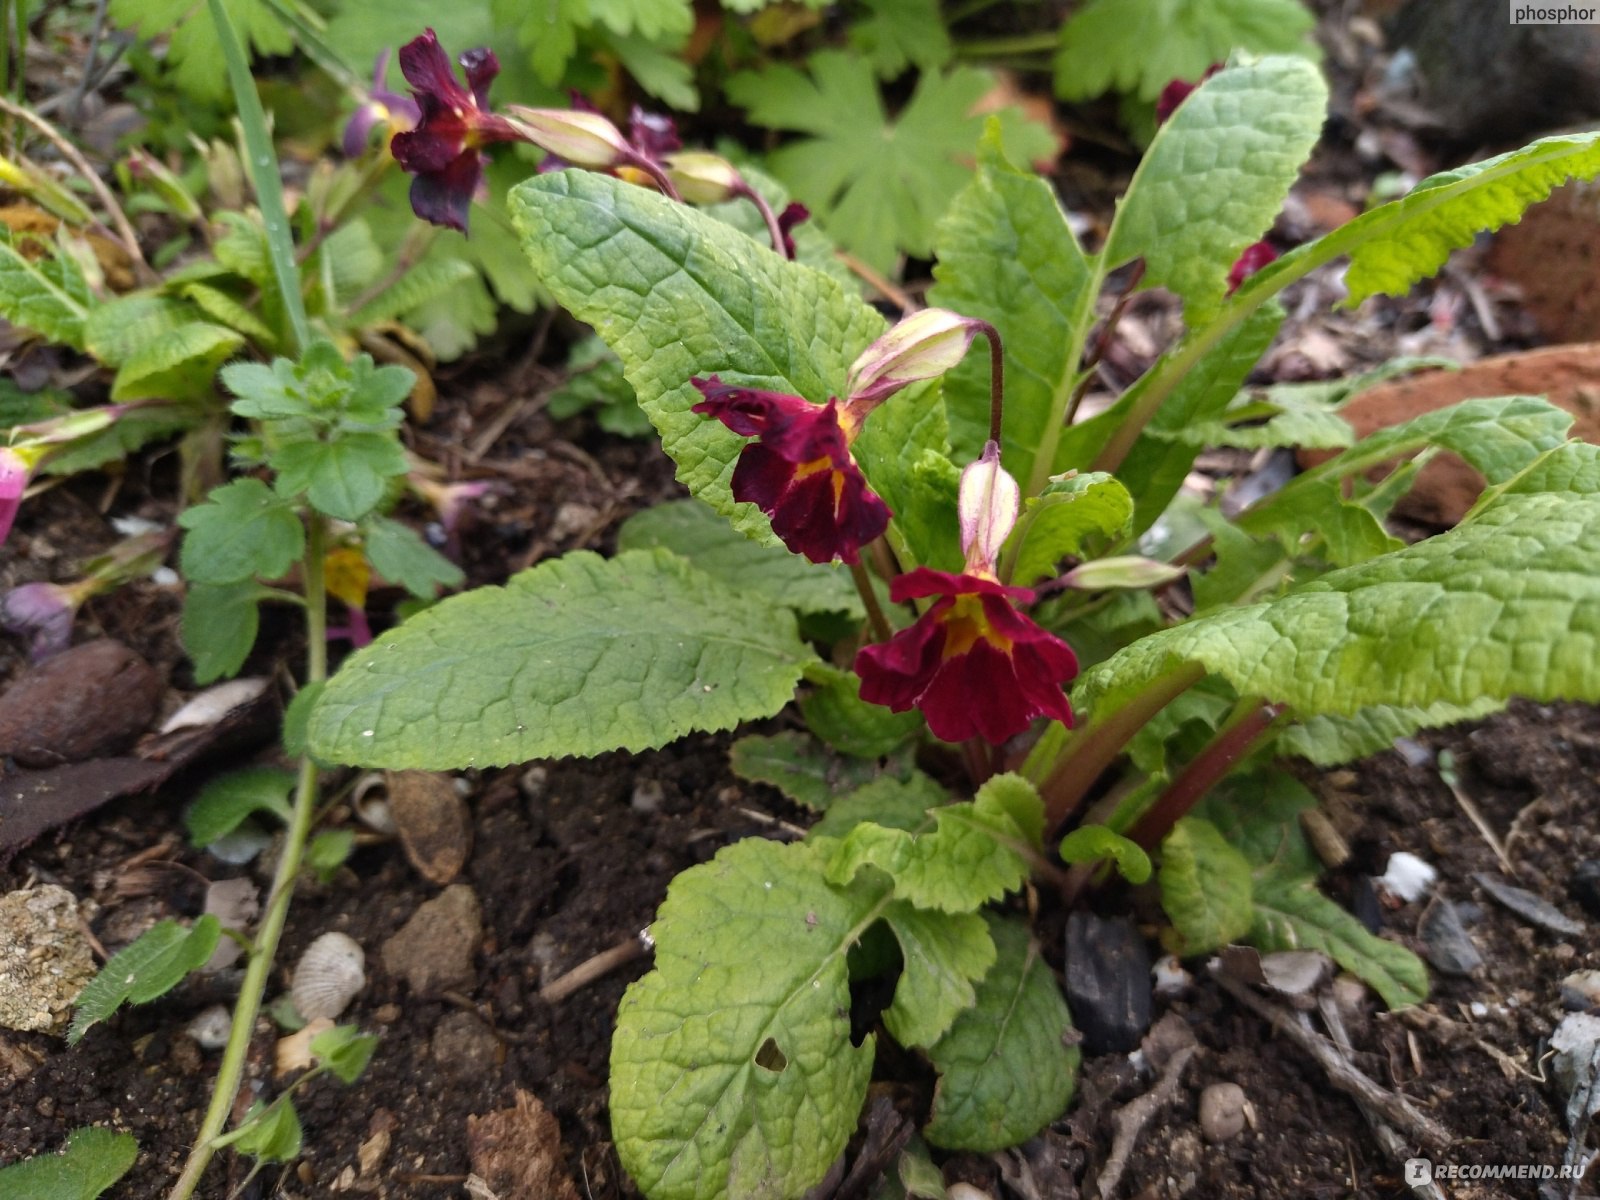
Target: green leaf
226 800
1327 740
1094 843
193 54
1140 46
595 380
220 623
976 851
345 478
1258 814
400 556
1215 177
150 967
577 656
800 767
1007 256
430 279
1205 888
329 851
131 430
270 1132
943 955
42 288
240 532
677 294
896 34
690 529
1078 516
344 1050
836 713
92 1161
732 1068
177 365
891 802
119 329
878 185
658 70
1290 914
1006 1069
226 309
297 715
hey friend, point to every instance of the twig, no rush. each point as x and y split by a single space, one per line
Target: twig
1133 1116
602 964
1485 830
69 152
890 291
782 826
1394 1108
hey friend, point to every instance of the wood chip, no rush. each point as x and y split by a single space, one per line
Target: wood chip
435 827
516 1152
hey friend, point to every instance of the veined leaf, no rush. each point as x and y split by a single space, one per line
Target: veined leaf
836 713
242 531
896 34
1215 176
43 291
892 802
193 52
943 956
732 1069
577 656
1205 888
1328 740
1065 519
1006 1070
92 1161
177 365
152 966
219 627
800 767
228 799
118 329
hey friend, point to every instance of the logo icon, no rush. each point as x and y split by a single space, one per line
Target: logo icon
1418 1171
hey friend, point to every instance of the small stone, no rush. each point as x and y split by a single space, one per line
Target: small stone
1576 1043
1169 977
210 1027
87 702
433 951
435 826
1446 941
1584 886
1407 877
647 796
1223 1112
1529 907
464 1048
1580 991
45 959
966 1191
1108 982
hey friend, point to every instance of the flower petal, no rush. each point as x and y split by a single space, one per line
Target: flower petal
481 66
427 69
445 197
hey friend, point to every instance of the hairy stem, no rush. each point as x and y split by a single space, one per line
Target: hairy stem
881 629
230 1074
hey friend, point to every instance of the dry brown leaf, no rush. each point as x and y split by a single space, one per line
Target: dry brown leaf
517 1152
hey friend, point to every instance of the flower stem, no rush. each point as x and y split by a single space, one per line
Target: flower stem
997 379
774 230
230 1073
881 630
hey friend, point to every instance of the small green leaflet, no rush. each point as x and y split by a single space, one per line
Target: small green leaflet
1205 888
896 34
836 713
732 1068
401 557
150 967
1096 843
219 626
943 955
975 852
1140 46
1006 1069
270 1132
878 185
228 799
344 1050
45 293
577 656
329 851
242 531
344 478
887 801
1077 516
92 1161
1215 177
800 767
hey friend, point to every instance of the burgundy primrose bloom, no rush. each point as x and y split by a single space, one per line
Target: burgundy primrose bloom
800 472
972 663
444 151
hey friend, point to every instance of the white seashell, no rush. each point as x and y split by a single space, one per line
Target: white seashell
210 1028
327 977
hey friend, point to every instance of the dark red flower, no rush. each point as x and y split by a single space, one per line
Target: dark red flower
1255 256
799 472
444 150
1176 92
793 214
972 663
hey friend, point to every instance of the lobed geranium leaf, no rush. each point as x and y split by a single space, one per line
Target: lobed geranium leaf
92 1160
732 1068
1205 888
150 967
1008 256
43 289
398 554
193 53
579 655
943 955
1006 1069
1140 46
1215 177
896 34
240 532
344 478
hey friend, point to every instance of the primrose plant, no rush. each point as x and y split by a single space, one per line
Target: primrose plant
929 547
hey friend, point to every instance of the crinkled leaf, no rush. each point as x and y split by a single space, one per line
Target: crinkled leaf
398 554
943 955
1327 740
120 328
179 364
150 967
836 713
92 1160
1096 843
577 656
974 852
228 799
1215 177
892 802
1205 888
1140 46
800 767
219 627
427 280
1007 256
1258 814
1290 914
240 532
1075 516
1006 1068
42 288
344 478
691 529
732 1068
226 309
877 184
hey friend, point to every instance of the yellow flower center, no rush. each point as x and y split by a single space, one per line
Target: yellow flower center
965 624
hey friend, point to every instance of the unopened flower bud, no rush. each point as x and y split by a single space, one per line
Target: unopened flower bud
14 471
703 178
988 505
923 346
1126 572
174 193
584 139
42 613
